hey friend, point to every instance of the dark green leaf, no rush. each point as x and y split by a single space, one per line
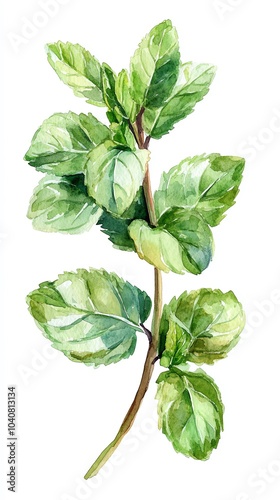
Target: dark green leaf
60 146
114 176
155 66
61 204
76 67
201 326
91 316
193 84
190 412
208 183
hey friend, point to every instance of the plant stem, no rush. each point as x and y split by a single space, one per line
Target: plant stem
149 197
157 307
152 354
130 416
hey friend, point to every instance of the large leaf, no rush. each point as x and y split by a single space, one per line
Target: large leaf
60 146
193 84
208 183
190 412
76 67
114 176
181 242
116 228
91 316
155 66
201 326
61 204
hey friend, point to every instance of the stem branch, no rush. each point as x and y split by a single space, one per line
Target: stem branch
147 332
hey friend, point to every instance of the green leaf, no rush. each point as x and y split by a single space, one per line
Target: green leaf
207 183
194 236
155 66
123 94
109 90
192 85
201 326
157 247
76 67
190 412
181 242
114 176
122 135
117 227
61 204
60 146
91 316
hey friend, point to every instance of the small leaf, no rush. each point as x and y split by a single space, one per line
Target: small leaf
60 146
91 316
193 84
123 95
109 89
76 67
61 204
117 227
208 183
155 66
181 242
113 176
122 135
201 326
190 412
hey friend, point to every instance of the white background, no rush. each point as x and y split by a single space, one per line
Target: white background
67 413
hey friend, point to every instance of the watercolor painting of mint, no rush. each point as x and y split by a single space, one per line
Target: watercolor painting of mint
99 174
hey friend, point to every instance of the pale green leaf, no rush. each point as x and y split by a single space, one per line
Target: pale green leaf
157 246
208 183
192 85
61 204
109 91
190 412
155 66
181 242
61 144
114 176
78 69
194 236
201 326
91 316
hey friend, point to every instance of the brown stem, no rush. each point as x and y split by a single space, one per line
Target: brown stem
130 416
